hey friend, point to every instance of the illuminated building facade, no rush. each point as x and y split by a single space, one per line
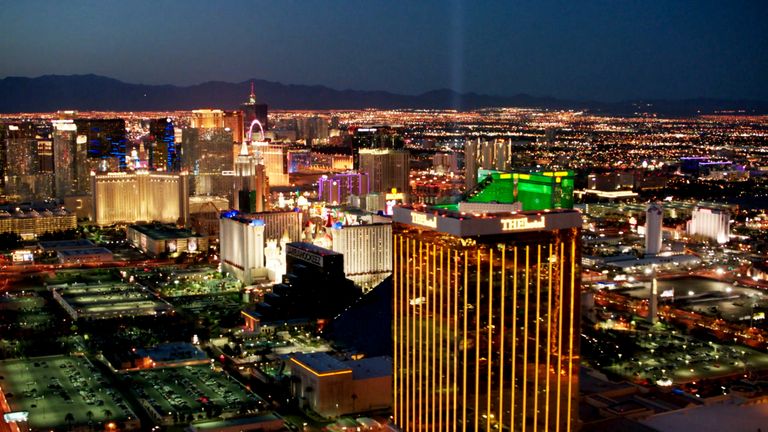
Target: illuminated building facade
142 196
337 187
30 223
654 216
276 164
207 119
547 190
710 223
164 154
105 140
342 387
207 154
486 320
487 155
246 241
70 167
386 169
367 251
155 239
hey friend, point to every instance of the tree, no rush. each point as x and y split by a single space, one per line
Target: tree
69 419
107 413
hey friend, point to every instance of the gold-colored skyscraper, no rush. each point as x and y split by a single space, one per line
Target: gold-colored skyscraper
486 322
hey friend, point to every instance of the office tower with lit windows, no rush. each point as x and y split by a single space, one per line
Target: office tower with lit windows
164 154
336 188
386 169
106 143
488 155
28 161
486 319
140 197
206 153
70 167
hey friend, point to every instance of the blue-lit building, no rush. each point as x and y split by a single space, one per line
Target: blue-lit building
164 154
106 141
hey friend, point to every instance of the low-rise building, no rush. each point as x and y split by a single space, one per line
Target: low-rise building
332 387
155 239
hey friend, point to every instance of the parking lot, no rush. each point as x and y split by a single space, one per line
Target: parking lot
51 388
188 390
108 300
665 357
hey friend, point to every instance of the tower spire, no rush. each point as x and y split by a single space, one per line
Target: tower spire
252 97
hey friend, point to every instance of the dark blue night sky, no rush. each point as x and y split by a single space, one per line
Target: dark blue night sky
604 50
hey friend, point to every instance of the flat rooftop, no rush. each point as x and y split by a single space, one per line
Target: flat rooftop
65 244
372 367
163 232
104 300
98 250
463 224
320 363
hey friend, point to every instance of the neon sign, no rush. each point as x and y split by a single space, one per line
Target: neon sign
424 220
521 224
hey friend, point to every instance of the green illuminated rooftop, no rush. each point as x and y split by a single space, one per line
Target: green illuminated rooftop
548 190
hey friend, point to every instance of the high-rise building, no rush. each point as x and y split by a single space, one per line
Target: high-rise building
710 223
245 241
251 182
367 251
164 154
488 155
654 216
337 187
233 122
445 162
255 111
387 169
486 320
207 119
106 143
70 165
28 161
140 197
207 154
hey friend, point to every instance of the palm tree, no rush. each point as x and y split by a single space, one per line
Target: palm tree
89 414
107 414
69 418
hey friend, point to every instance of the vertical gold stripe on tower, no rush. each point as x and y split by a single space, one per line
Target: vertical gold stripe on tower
421 336
525 339
489 413
548 350
514 341
395 330
559 337
414 348
441 390
408 402
536 345
456 341
502 359
433 332
477 341
571 330
464 383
